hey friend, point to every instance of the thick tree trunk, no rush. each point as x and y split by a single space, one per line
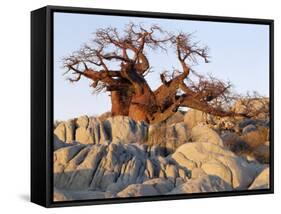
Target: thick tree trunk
143 105
120 102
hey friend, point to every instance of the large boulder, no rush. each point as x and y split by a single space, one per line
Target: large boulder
203 183
217 161
202 133
194 117
64 131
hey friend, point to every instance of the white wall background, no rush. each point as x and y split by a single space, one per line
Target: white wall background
15 106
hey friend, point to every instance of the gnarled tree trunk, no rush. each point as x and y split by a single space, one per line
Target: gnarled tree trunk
120 103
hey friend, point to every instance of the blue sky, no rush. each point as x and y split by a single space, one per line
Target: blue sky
239 53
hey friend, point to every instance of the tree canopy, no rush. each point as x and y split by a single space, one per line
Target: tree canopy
117 62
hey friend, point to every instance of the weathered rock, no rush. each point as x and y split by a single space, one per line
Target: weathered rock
135 190
74 166
200 152
97 131
243 173
92 130
59 131
61 196
157 150
194 117
216 168
161 185
218 161
58 143
83 121
181 159
205 183
64 155
175 118
126 129
176 135
167 137
262 181
179 181
111 158
83 136
249 128
64 195
197 172
65 131
171 172
150 168
203 133
105 167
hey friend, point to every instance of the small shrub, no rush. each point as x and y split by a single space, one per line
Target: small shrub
256 138
233 142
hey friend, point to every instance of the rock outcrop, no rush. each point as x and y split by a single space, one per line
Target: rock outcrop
118 157
65 131
202 183
167 138
202 133
217 161
110 167
195 117
92 130
125 170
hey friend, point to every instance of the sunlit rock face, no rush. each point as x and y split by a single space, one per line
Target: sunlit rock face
111 157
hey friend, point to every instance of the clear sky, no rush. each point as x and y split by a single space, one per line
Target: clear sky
239 53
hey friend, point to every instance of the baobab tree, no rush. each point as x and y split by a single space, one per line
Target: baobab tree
117 62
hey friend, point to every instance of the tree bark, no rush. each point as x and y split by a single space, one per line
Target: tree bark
120 102
143 103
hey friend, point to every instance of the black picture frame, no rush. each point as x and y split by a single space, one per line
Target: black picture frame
42 103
